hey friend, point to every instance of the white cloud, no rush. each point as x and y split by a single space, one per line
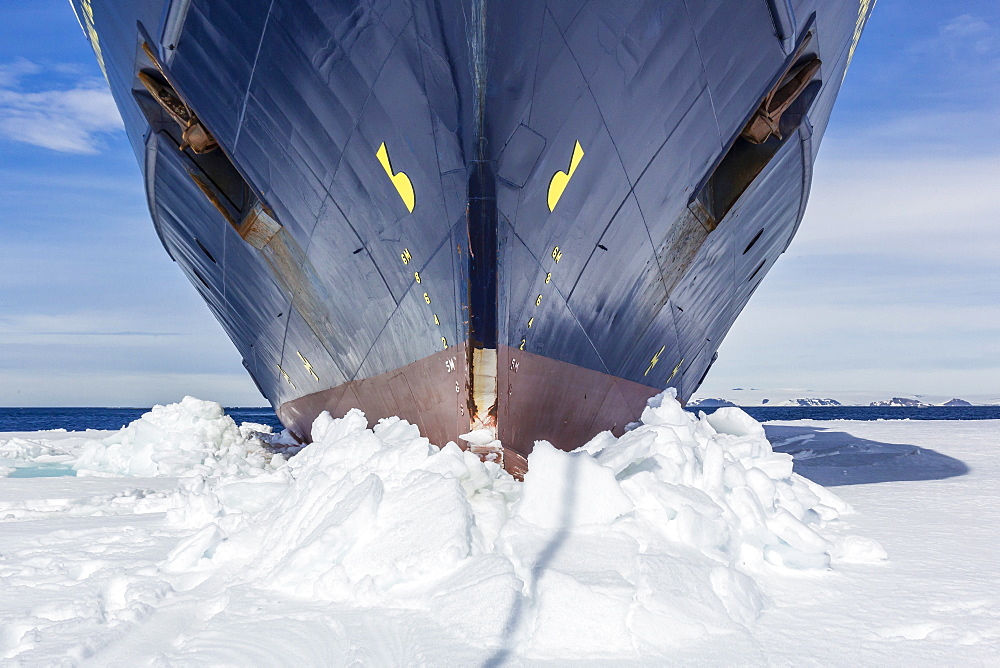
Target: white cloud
960 38
909 206
67 328
970 33
11 73
70 120
932 133
139 387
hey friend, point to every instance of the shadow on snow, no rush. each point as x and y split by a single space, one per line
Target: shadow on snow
825 456
832 458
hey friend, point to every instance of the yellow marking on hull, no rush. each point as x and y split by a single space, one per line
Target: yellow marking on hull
400 180
561 179
863 7
307 364
287 379
91 33
676 369
656 358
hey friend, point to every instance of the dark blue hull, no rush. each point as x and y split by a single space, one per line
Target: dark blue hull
517 215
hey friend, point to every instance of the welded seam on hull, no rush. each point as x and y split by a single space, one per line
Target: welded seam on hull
530 110
566 298
803 38
173 27
463 334
631 189
805 136
399 304
361 114
593 97
421 45
631 193
482 225
253 72
152 149
604 122
336 169
704 70
566 302
477 45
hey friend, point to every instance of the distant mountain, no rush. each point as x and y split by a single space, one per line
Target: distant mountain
899 401
956 402
811 401
709 402
752 396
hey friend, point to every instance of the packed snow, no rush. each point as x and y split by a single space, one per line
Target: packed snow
192 437
184 538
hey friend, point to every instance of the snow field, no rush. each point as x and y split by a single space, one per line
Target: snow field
627 548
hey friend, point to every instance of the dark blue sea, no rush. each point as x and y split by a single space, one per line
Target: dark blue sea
77 419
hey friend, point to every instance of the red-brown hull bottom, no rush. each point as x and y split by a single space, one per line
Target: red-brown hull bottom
537 399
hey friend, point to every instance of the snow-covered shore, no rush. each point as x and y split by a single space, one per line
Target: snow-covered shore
184 540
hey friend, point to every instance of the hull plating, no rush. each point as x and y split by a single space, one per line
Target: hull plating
522 216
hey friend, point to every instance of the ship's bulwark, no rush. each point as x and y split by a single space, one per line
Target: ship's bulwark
521 216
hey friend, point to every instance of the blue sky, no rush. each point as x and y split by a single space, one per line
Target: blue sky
893 282
92 310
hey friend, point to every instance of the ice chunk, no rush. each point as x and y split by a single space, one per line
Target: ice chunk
859 550
630 542
192 550
188 438
580 616
563 489
479 437
735 422
795 533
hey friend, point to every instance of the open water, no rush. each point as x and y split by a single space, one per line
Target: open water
78 419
